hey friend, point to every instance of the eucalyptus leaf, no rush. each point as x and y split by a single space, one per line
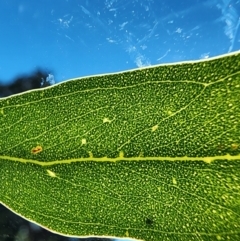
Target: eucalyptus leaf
150 154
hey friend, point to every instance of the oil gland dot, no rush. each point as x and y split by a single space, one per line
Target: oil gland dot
106 120
174 181
84 141
219 237
154 128
169 112
51 173
36 150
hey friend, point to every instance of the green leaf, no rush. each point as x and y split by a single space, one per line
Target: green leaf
151 154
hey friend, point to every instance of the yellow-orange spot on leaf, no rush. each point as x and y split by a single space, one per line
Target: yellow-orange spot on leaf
36 150
234 146
154 128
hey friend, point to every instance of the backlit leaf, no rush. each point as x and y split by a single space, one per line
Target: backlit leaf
151 154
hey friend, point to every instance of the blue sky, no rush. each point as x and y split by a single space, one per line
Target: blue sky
73 38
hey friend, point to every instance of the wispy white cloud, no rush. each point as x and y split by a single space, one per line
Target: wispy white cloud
123 25
179 30
65 21
164 55
141 61
85 11
111 40
205 55
231 19
150 34
109 3
95 18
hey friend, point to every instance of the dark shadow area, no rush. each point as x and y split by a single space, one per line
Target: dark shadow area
12 226
37 79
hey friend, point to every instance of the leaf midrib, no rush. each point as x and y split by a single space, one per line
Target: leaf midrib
121 157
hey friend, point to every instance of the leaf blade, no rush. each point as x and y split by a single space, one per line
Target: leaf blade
128 154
